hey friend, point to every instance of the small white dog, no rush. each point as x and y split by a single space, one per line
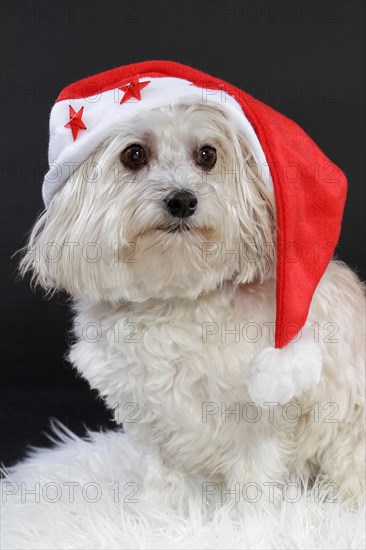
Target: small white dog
169 312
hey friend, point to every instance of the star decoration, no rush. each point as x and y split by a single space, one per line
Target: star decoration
133 89
75 123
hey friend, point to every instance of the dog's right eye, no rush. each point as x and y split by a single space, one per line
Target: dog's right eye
134 156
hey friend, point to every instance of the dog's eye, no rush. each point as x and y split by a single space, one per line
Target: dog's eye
134 156
207 157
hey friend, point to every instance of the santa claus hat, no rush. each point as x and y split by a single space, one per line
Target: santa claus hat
309 192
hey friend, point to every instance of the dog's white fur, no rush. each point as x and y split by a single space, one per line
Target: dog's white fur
154 312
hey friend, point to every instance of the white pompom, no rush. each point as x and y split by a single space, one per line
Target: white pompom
277 375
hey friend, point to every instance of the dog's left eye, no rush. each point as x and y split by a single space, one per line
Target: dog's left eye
207 156
134 156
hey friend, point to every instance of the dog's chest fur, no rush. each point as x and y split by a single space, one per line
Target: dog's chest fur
173 370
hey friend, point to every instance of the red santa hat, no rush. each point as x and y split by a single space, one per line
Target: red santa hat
309 192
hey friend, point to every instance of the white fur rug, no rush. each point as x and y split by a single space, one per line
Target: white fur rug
99 515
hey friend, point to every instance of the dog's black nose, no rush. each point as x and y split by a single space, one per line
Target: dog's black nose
181 204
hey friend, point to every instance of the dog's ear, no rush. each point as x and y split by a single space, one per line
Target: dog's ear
256 215
51 254
37 257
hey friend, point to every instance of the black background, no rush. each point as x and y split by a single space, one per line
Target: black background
304 58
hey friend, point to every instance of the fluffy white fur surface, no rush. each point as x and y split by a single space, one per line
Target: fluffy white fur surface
109 459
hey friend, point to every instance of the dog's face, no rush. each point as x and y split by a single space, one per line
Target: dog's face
172 205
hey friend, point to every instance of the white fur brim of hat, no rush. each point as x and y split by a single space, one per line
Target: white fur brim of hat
103 116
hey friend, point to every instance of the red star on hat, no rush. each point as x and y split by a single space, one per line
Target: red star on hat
133 89
75 122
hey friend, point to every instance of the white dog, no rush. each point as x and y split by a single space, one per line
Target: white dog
170 312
